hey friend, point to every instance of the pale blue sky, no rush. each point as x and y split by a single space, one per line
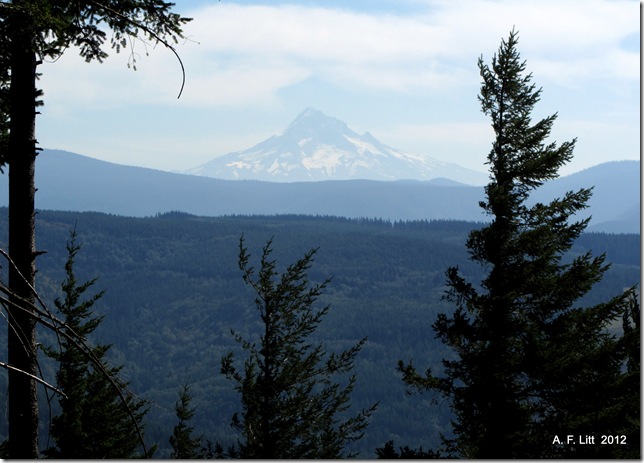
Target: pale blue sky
404 70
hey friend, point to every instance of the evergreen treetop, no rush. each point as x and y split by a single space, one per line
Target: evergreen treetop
184 445
521 375
295 400
94 422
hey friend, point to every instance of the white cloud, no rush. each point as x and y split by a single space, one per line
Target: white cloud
248 53
427 50
342 47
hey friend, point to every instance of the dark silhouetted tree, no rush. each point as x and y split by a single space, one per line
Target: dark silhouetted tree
184 445
389 452
33 30
530 363
294 404
93 423
629 384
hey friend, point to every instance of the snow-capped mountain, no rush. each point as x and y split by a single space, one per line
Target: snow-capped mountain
318 147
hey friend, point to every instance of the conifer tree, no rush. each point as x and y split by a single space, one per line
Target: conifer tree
184 445
530 363
294 397
389 452
93 423
31 31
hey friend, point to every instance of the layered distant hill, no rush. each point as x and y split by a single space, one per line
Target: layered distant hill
72 182
318 147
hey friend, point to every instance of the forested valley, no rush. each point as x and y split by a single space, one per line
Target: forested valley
174 293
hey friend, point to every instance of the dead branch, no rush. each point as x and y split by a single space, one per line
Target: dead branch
150 32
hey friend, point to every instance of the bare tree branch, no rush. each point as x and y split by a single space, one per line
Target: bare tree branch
34 377
151 33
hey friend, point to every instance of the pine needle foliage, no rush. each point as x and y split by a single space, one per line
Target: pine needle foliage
295 403
185 446
94 423
389 452
530 363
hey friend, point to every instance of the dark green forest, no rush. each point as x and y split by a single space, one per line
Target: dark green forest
174 292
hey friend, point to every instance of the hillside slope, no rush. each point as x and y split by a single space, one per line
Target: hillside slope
68 181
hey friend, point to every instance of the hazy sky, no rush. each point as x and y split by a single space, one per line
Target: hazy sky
404 70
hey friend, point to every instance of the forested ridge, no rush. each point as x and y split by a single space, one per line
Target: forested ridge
174 292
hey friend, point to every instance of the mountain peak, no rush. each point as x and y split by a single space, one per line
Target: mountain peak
312 122
310 113
319 147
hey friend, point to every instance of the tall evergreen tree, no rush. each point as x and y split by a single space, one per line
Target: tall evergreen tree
30 31
94 423
294 404
184 445
531 364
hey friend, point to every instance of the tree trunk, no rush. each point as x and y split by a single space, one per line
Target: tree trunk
23 400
